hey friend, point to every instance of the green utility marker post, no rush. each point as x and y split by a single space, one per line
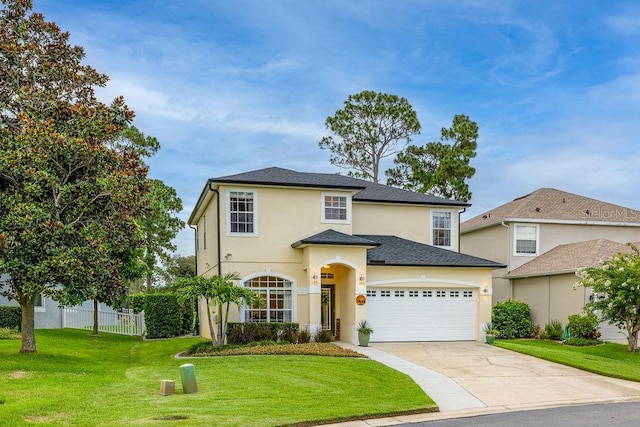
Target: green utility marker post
188 376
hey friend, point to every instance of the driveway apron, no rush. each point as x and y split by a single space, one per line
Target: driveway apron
504 380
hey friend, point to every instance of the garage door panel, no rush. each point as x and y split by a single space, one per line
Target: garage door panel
422 314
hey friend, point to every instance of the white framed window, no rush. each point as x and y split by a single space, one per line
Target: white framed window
38 303
525 240
371 293
385 293
277 294
399 294
336 208
441 229
427 294
242 208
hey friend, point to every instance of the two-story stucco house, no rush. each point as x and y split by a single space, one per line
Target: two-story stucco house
326 251
543 238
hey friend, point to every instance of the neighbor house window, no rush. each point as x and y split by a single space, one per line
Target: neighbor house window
526 239
276 293
441 229
336 208
38 303
242 216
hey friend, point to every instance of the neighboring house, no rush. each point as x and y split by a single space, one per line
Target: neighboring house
48 315
546 282
326 251
520 232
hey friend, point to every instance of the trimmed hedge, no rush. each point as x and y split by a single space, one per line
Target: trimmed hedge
10 317
513 319
583 325
244 333
164 315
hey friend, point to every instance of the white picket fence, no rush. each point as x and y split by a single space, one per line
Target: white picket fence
108 321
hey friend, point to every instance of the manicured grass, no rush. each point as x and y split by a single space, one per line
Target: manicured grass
609 359
112 380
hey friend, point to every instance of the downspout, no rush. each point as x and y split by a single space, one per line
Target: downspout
195 232
509 241
218 220
460 212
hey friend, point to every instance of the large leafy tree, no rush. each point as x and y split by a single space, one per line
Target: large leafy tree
159 226
218 293
69 199
368 129
616 281
440 168
178 267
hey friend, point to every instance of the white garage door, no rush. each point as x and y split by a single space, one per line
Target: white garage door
422 314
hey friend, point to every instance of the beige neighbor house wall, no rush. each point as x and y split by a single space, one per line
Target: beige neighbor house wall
382 277
412 222
491 243
551 297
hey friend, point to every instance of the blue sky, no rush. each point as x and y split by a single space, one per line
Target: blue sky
232 86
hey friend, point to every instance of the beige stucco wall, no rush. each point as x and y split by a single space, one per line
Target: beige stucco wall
489 243
550 297
412 222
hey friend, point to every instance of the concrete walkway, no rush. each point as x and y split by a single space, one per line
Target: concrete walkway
470 378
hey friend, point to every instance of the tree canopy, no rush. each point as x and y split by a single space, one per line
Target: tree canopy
368 129
439 168
69 200
616 282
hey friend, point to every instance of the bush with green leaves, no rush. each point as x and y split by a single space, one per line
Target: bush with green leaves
584 325
552 331
304 336
10 334
10 317
162 316
513 319
581 342
323 335
247 332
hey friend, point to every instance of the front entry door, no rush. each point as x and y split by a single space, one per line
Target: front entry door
327 309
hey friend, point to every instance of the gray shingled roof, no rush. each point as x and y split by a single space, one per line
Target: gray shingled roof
551 204
369 191
402 252
568 258
332 237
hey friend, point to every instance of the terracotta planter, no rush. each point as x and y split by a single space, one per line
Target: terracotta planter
363 339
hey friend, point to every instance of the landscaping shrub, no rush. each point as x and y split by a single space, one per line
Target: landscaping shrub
552 331
10 317
581 342
136 302
244 333
584 325
10 334
162 316
304 336
188 308
323 335
289 334
513 319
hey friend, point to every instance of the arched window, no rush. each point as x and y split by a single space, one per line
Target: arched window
277 295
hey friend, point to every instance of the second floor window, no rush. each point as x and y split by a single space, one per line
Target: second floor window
441 226
526 237
335 208
242 212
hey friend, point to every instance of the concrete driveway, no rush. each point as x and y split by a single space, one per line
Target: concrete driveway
471 378
504 379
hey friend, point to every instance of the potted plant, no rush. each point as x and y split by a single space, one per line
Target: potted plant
490 332
364 333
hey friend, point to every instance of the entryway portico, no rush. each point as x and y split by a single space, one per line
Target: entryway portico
336 266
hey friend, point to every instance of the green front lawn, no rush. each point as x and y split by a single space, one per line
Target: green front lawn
112 380
609 359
